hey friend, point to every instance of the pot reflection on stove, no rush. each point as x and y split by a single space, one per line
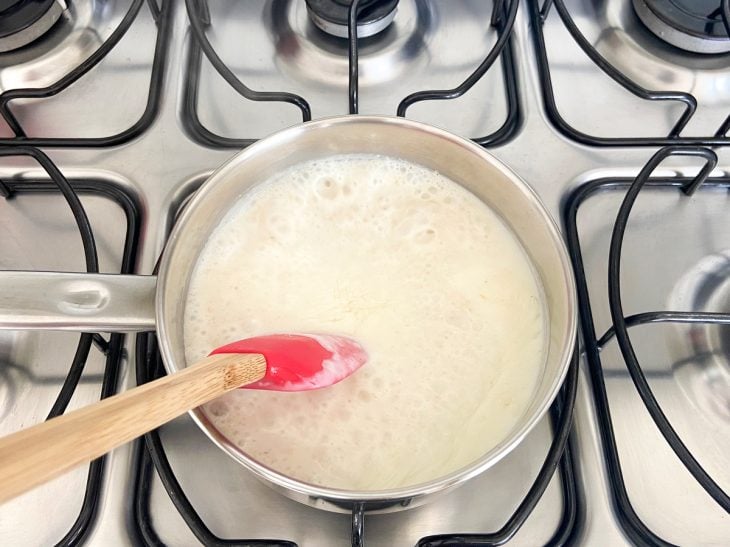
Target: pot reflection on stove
10 372
704 374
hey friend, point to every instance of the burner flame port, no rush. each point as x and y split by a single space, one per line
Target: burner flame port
331 16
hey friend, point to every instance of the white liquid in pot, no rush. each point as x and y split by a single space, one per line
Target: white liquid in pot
416 268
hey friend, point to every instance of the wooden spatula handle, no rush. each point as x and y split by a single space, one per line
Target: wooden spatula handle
37 454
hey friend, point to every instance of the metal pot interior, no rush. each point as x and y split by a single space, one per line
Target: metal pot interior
456 158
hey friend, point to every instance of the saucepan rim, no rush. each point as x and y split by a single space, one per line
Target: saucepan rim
315 493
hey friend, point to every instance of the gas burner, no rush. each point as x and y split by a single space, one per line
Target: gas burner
692 25
24 21
331 16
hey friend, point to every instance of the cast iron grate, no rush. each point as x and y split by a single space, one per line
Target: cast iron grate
111 348
630 521
162 17
539 12
502 21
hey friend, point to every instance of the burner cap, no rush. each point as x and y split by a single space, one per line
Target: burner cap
331 16
692 25
23 21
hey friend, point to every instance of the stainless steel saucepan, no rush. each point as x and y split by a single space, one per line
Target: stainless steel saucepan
116 303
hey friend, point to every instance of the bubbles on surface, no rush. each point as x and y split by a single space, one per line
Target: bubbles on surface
417 269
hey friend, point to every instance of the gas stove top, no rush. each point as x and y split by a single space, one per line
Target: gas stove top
122 108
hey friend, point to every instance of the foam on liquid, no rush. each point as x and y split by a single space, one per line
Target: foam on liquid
411 265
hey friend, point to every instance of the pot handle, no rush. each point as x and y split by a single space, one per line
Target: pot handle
80 302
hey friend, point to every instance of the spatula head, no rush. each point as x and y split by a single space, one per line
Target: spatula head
300 362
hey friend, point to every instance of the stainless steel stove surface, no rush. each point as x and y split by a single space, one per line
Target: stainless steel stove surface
138 132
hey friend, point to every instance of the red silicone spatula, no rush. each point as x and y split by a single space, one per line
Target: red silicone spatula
281 362
298 362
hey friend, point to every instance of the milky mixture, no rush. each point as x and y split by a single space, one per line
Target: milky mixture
414 267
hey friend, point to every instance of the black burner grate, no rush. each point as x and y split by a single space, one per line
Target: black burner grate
199 17
502 21
113 347
539 14
630 521
162 16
